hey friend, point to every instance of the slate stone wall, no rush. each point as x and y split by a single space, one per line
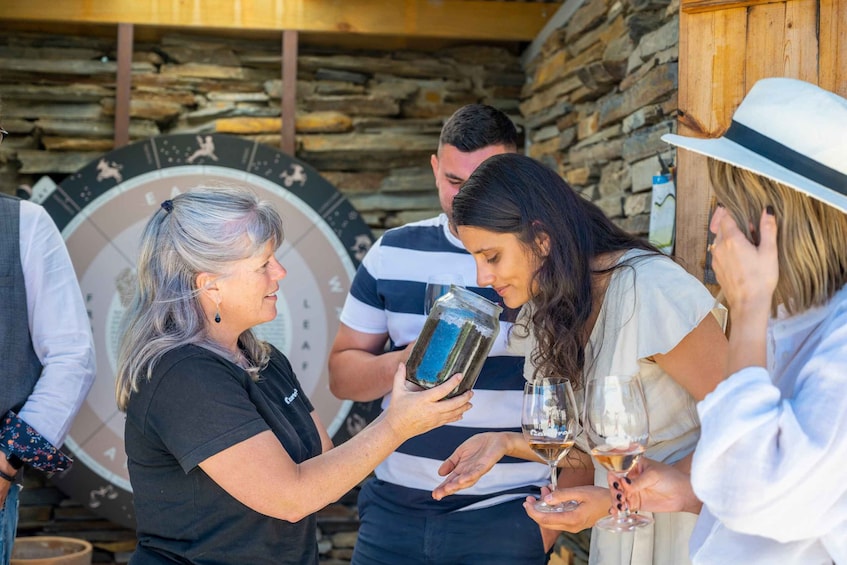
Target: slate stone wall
598 98
368 121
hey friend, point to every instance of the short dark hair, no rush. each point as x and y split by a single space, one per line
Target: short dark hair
475 126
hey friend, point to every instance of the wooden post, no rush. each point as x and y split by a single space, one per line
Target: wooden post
123 84
289 91
725 46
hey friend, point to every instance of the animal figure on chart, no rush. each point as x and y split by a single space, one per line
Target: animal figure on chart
298 175
207 149
96 495
109 170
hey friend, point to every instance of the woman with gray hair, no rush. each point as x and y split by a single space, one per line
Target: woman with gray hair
227 458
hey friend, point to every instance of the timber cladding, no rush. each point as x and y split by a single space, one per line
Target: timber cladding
724 48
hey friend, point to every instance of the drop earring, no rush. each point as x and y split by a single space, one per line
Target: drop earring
217 314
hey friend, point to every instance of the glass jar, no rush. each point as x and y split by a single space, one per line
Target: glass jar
456 338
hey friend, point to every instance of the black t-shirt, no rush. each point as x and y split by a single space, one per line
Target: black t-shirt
196 405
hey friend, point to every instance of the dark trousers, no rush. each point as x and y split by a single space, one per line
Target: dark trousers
501 534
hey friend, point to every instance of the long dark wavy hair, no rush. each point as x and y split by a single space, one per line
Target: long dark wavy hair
515 194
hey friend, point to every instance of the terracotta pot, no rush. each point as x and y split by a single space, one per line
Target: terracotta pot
43 550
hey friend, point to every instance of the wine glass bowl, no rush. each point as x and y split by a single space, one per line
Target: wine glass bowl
619 459
617 428
437 286
549 423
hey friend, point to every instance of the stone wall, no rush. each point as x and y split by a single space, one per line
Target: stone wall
598 98
368 121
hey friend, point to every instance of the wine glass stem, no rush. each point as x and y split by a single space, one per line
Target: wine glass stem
553 477
623 513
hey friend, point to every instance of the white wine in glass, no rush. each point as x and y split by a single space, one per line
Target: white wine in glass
549 422
617 428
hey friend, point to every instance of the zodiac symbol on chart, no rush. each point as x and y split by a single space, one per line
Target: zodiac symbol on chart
360 246
95 496
355 423
298 175
125 283
109 170
207 149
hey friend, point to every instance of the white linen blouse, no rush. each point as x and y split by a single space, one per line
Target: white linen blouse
770 464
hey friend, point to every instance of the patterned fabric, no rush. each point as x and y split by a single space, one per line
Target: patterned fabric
21 439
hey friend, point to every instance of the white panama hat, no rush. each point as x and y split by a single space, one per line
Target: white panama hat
789 131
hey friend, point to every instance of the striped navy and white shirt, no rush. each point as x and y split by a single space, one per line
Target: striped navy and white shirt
387 295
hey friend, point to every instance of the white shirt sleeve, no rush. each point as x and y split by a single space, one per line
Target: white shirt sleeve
58 324
770 464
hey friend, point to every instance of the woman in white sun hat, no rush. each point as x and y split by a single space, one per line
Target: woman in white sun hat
769 467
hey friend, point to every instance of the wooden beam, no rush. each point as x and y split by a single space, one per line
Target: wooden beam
124 84
466 19
697 6
289 91
708 95
833 46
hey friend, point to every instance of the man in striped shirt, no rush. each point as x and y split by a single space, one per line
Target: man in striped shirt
400 521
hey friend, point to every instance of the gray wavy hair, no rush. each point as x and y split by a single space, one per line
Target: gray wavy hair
204 230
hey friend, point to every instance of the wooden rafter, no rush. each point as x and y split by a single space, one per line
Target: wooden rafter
289 92
465 19
124 84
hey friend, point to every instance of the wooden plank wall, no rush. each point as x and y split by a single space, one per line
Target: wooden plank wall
724 48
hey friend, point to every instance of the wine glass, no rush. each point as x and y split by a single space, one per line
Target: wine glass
437 286
616 427
549 423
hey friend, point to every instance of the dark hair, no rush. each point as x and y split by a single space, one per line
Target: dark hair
476 126
512 193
